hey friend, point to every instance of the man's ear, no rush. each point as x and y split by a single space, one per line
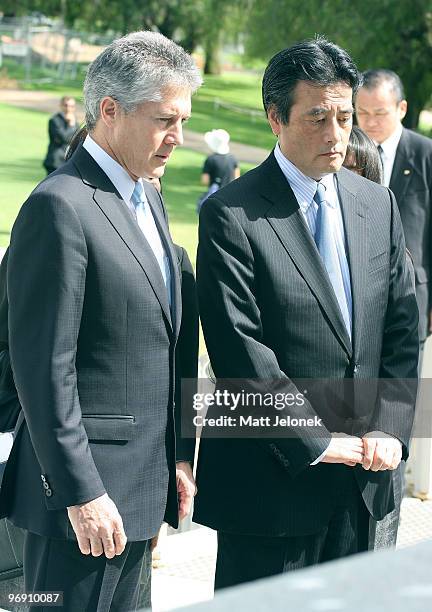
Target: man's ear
274 121
402 109
109 110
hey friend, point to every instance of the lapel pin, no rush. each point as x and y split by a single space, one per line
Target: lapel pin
406 172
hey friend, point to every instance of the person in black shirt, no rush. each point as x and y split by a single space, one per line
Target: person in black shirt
221 167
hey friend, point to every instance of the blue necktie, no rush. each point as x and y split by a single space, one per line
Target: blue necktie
325 241
147 225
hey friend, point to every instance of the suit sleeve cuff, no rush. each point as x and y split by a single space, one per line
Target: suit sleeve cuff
319 459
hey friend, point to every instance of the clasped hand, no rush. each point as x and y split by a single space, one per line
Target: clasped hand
376 451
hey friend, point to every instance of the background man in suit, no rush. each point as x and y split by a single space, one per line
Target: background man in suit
407 163
94 320
61 127
302 273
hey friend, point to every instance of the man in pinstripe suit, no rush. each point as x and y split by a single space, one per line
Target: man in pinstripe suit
302 275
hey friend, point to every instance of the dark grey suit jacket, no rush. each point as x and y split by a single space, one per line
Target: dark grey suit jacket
92 342
411 182
269 312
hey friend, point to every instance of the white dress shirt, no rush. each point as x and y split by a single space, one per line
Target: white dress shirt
389 148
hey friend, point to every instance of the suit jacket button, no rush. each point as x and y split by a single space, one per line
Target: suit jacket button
356 368
48 492
46 485
43 478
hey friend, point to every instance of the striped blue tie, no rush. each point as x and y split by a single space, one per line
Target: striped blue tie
325 241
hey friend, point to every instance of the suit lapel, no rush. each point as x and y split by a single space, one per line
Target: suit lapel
121 218
355 225
287 220
403 167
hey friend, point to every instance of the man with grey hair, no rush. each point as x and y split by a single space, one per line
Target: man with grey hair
94 320
407 164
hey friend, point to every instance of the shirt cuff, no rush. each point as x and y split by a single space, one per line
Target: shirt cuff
318 459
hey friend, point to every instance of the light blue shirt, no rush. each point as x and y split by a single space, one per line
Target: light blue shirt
125 186
304 189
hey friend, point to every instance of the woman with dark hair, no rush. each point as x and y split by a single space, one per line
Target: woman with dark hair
362 156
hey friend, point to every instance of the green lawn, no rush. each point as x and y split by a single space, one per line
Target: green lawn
24 142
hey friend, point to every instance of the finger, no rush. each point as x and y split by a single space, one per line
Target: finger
96 546
368 452
84 545
379 455
185 503
108 546
154 543
120 540
388 459
397 458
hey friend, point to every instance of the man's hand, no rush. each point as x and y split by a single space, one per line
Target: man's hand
381 451
186 488
430 323
70 119
344 449
98 527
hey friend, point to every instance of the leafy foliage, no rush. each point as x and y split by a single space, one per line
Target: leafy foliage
389 34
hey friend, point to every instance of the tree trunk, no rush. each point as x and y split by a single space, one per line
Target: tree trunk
212 62
412 117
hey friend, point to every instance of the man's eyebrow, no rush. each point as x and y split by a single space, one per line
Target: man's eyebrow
321 110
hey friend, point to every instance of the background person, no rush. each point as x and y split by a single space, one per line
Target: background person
363 158
407 163
220 168
61 128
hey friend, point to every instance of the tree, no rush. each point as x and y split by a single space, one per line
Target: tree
385 34
189 22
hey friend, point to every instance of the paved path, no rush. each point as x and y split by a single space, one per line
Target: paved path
49 102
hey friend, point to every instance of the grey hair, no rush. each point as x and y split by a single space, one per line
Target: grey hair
135 69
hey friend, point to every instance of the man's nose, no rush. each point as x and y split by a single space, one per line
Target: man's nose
175 136
334 131
370 120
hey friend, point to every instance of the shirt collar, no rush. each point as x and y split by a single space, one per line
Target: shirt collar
114 171
304 187
390 145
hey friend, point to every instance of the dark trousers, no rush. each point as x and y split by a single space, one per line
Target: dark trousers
89 584
243 558
383 534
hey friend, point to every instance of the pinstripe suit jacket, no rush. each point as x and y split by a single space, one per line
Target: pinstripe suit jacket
92 342
269 312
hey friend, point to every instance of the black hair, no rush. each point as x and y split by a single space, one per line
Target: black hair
318 61
362 156
374 78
